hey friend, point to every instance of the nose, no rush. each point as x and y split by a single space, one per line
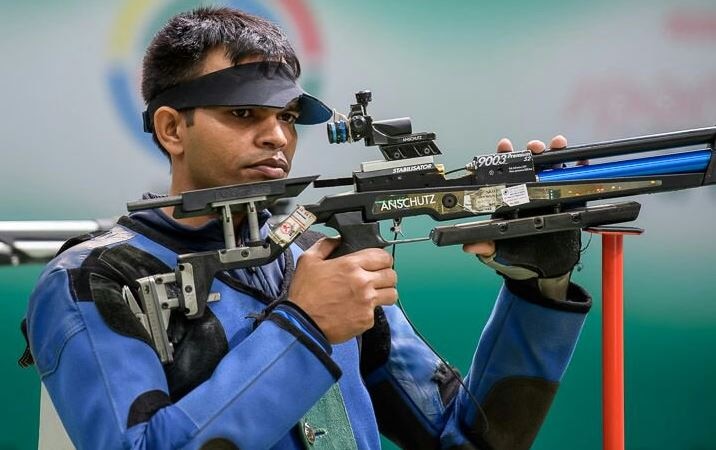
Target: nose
272 135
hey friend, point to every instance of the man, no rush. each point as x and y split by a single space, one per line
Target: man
306 351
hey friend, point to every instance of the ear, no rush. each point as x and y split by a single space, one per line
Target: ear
168 126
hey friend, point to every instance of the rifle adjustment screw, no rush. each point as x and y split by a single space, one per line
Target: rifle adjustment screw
449 201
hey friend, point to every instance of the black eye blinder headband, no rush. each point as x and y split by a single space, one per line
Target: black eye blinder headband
250 85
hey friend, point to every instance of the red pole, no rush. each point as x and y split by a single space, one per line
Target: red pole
613 341
613 333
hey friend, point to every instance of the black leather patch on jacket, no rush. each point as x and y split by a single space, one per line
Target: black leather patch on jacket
515 409
107 295
101 277
375 344
199 346
146 405
397 421
123 264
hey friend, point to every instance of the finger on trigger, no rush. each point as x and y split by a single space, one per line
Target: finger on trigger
504 145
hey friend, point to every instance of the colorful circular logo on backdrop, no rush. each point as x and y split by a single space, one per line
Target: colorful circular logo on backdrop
138 20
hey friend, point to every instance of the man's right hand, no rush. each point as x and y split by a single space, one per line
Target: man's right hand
341 294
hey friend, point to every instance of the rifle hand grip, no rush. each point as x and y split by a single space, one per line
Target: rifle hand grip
355 233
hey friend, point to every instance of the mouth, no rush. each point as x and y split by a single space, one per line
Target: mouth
271 168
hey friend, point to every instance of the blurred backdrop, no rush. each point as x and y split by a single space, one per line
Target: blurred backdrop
472 72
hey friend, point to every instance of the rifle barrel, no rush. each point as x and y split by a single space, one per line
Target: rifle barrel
686 162
675 139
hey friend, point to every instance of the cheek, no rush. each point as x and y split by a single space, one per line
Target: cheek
290 149
214 143
205 155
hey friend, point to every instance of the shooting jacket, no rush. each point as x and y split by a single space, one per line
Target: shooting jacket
246 373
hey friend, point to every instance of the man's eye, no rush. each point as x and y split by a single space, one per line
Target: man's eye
243 113
290 117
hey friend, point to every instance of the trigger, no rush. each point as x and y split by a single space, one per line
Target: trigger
397 228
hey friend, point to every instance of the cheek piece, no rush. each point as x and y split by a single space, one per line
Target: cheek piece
259 84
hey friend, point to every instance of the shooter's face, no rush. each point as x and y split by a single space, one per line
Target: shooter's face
229 145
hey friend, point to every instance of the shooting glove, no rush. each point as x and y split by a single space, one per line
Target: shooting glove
540 263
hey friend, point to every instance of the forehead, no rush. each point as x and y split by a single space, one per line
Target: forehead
217 59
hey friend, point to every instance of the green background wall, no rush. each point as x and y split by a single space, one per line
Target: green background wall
470 71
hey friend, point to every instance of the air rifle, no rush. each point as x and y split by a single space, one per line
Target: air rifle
525 193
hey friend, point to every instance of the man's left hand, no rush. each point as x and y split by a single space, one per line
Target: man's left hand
487 248
534 246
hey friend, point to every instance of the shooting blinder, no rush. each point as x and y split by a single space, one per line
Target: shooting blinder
258 84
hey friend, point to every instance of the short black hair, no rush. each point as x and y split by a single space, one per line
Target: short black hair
177 51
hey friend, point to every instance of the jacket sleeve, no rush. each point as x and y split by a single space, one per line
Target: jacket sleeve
520 359
111 392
